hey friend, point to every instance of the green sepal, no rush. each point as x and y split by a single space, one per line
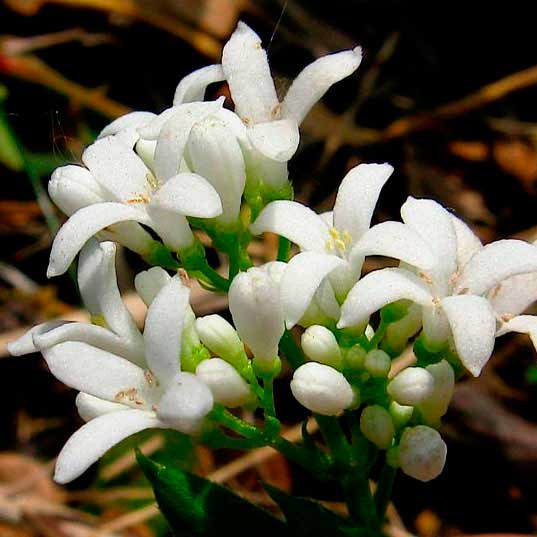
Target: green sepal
306 517
197 507
395 311
160 256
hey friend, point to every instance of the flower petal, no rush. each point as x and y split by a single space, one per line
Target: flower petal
467 242
25 344
523 324
81 226
514 295
90 407
173 136
118 169
434 224
164 328
133 120
96 437
357 197
294 221
300 281
394 239
277 140
497 262
473 325
247 71
193 86
188 194
316 79
379 288
97 372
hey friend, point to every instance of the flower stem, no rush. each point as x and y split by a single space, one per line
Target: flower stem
284 249
291 350
384 490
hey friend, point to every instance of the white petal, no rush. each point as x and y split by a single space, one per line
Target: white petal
467 242
149 283
379 288
215 154
277 140
173 228
315 80
96 437
328 218
247 71
300 281
163 330
496 262
193 86
98 286
186 402
90 407
25 343
394 239
357 197
82 226
473 325
129 234
117 169
514 295
269 172
173 136
97 372
133 120
188 194
524 324
432 222
294 221
73 187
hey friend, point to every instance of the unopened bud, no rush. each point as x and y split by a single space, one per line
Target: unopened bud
322 389
377 426
436 405
149 282
226 385
411 386
219 336
400 414
320 345
377 363
422 453
355 357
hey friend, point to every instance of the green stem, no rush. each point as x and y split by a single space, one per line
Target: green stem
379 334
335 440
359 499
284 249
219 282
233 423
384 490
291 350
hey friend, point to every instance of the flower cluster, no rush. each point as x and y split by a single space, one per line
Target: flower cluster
149 182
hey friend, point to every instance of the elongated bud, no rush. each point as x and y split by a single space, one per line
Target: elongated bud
435 327
377 426
411 386
377 363
322 389
219 337
73 187
399 332
226 385
355 357
320 345
255 305
436 405
422 453
149 282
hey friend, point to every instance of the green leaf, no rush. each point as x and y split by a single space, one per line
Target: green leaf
306 517
194 506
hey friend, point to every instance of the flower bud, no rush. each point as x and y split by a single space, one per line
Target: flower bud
219 336
400 414
399 332
149 282
355 357
255 305
226 385
322 389
377 426
422 453
377 363
320 345
436 405
73 187
411 386
435 327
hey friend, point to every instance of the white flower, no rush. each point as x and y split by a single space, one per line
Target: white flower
422 453
436 404
255 305
411 386
322 389
453 293
123 189
336 243
377 426
148 283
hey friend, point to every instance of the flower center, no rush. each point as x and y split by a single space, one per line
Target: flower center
338 242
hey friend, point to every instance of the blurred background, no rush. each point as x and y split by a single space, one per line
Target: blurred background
446 93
